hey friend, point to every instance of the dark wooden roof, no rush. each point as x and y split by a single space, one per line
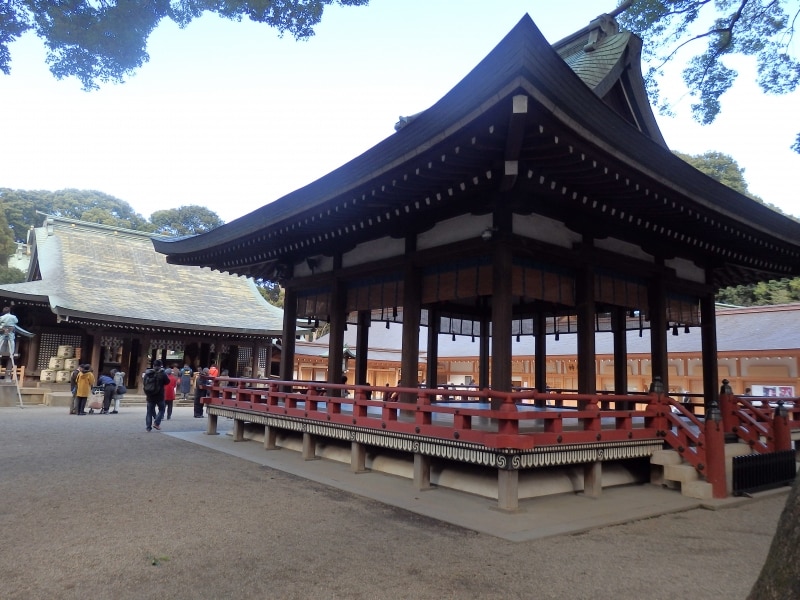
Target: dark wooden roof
105 276
580 161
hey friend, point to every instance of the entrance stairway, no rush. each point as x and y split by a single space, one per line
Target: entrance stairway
667 468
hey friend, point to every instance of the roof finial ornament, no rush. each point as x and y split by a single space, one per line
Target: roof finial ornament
602 27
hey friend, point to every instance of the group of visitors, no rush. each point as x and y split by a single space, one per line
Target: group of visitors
161 387
112 385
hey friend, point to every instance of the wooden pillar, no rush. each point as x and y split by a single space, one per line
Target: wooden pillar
336 336
362 347
501 319
619 330
540 352
289 334
432 367
255 351
32 354
267 360
412 314
96 351
483 353
144 360
708 349
657 314
587 366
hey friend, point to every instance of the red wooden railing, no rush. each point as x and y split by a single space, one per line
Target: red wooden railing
764 427
515 421
511 422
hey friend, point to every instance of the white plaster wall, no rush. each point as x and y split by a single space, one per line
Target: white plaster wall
374 250
545 230
686 269
454 230
618 246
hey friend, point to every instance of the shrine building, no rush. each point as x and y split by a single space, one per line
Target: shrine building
537 196
103 293
539 187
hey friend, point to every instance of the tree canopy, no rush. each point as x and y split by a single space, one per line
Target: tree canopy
99 41
186 220
726 170
720 166
21 207
762 29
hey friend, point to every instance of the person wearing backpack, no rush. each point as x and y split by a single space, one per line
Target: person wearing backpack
153 382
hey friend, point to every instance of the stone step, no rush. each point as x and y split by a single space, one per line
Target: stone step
682 473
666 457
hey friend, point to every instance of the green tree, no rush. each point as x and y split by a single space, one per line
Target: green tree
763 29
186 220
7 247
21 208
11 275
99 41
272 292
719 166
7 242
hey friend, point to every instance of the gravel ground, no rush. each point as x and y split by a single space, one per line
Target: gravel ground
96 507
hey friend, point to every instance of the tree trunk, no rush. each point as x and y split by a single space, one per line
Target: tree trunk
780 575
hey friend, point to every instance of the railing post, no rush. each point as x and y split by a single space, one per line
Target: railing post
715 453
508 426
780 428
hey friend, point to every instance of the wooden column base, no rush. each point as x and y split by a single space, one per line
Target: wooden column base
593 479
422 472
211 425
507 490
309 447
270 438
358 457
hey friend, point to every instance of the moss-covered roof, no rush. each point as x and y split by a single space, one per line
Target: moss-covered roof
105 274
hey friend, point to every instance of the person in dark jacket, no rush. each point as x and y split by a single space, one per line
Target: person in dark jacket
200 392
155 399
109 388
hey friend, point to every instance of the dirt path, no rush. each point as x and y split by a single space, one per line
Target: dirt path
95 507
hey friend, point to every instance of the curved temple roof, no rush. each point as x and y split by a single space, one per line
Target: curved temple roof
592 158
94 273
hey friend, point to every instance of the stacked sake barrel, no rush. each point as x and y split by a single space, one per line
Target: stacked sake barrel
60 366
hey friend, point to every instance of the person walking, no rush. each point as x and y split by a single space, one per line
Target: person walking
169 391
153 382
83 385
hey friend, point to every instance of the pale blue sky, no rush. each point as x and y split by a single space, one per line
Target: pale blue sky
227 115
